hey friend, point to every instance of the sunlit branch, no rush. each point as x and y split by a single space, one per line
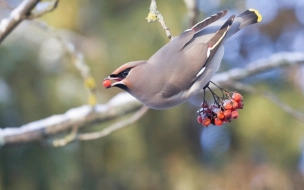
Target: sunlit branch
118 106
17 15
20 13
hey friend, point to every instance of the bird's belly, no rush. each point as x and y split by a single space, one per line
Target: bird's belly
159 102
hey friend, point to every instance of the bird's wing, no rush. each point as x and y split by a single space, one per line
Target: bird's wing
195 61
215 42
180 41
182 75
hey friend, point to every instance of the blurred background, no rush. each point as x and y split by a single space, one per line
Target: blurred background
262 149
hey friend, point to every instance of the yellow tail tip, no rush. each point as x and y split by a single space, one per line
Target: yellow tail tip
256 12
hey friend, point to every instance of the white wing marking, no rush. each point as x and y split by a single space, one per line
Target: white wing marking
201 71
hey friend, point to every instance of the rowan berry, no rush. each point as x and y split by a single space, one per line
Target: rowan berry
234 114
241 105
237 97
235 105
218 122
222 110
221 115
206 122
227 114
228 106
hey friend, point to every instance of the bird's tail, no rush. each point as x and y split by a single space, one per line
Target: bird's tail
250 16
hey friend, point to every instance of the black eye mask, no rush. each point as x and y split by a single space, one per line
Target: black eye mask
122 74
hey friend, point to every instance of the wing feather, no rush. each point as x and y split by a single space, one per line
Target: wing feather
215 42
201 25
188 34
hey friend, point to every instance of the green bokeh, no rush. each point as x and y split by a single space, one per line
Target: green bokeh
162 150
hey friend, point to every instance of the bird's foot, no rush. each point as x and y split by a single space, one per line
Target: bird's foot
206 86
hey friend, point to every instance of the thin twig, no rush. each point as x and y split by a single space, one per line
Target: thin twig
115 127
52 5
249 88
105 132
154 15
67 139
78 60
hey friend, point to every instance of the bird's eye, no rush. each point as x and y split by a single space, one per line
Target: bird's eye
125 73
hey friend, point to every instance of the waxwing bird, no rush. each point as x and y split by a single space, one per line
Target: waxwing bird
184 66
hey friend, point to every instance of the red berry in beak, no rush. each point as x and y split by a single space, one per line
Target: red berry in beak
107 83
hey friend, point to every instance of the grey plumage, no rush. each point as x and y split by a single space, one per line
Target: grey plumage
181 68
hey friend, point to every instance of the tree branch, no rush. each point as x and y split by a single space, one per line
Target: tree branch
114 127
123 104
17 15
104 132
47 7
281 59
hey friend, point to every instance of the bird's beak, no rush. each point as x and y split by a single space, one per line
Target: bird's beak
108 81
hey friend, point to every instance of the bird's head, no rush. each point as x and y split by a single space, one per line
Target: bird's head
122 75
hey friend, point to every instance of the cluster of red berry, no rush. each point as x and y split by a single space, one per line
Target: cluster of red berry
221 111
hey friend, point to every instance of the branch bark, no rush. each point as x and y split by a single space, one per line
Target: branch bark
20 13
282 59
123 104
